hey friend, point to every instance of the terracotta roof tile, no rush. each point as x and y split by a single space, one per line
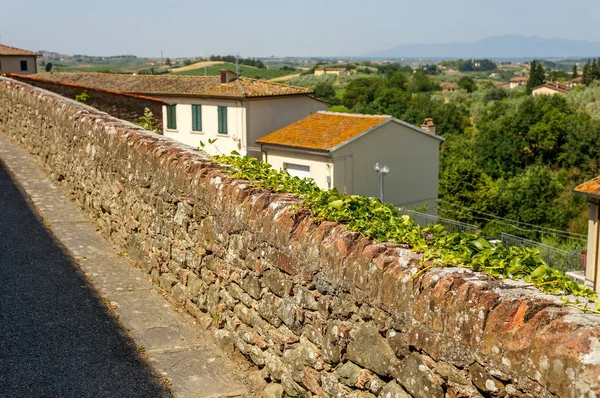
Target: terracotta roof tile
323 130
519 79
561 88
170 85
448 86
589 188
8 50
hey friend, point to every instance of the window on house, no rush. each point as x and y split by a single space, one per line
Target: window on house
297 170
222 119
172 117
23 65
196 117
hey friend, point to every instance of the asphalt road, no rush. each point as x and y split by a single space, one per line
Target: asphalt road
57 338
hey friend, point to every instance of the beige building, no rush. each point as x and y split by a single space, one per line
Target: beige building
16 60
234 110
591 189
517 81
550 89
339 150
330 71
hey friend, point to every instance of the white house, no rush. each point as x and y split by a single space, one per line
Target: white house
234 110
518 81
340 150
17 60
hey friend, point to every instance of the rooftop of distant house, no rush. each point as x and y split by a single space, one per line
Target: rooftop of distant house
561 88
519 79
577 80
590 188
448 86
326 131
170 85
8 50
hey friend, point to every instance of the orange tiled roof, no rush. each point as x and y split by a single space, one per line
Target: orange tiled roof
8 50
448 86
589 188
323 130
577 79
519 79
171 85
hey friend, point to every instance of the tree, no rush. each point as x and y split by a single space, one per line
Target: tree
168 61
575 73
420 82
361 90
537 76
398 80
325 90
467 83
587 76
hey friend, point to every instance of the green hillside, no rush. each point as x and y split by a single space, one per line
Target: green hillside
247 71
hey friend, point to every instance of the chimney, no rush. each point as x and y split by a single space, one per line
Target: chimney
428 125
227 76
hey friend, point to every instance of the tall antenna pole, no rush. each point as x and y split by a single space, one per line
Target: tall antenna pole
237 66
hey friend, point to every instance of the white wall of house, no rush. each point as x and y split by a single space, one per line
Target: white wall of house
268 115
12 64
593 243
236 124
413 159
320 168
544 91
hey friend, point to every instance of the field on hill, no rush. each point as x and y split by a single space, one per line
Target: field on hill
197 65
247 71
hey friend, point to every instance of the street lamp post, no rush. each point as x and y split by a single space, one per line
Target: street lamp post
382 171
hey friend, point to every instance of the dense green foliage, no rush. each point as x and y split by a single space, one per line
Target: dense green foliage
381 222
507 155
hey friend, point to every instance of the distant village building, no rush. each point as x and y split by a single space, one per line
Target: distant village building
448 87
340 149
578 81
591 190
17 60
234 110
330 71
517 81
550 89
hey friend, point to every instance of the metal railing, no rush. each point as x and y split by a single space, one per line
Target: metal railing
564 260
425 220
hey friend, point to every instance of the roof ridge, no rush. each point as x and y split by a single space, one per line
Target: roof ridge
19 49
354 114
273 83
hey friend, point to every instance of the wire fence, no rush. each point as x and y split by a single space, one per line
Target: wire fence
564 260
425 220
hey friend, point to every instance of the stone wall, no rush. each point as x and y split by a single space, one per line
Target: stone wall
123 106
322 311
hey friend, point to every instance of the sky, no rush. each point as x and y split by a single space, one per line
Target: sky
259 28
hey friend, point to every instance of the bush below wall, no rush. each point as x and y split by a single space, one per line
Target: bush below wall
321 310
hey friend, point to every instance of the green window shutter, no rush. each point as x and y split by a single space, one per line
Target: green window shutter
222 119
172 117
197 117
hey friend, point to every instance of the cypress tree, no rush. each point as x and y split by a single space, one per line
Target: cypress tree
587 74
537 76
575 73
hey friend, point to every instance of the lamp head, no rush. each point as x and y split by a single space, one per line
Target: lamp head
385 169
377 167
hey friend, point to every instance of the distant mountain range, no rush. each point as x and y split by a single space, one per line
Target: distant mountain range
509 46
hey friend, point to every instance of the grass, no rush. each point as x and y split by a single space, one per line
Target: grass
247 71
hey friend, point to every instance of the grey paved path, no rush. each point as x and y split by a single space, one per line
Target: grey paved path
57 337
